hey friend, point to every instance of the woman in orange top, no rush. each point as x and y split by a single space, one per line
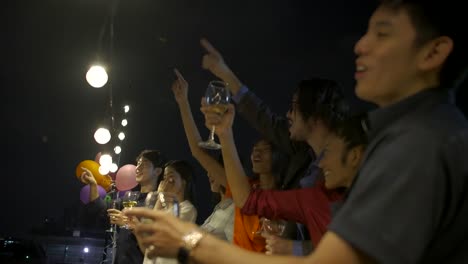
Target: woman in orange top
265 159
267 162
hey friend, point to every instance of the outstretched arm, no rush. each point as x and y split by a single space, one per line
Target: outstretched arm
214 62
166 231
237 179
210 164
272 126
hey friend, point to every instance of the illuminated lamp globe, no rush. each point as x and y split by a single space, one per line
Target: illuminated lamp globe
126 108
102 135
105 160
113 168
97 76
121 135
124 122
117 150
104 170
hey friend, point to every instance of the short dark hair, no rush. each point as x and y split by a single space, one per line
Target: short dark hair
432 19
154 156
322 99
351 131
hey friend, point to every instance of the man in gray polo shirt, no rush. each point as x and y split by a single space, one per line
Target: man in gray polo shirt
409 203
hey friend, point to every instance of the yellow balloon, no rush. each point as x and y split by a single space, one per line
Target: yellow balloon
106 182
102 180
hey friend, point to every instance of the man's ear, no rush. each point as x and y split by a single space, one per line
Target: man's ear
435 53
355 156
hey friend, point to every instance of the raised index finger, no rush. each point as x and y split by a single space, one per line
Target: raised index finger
208 47
179 75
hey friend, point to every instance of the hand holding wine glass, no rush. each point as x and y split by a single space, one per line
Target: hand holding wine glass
223 123
161 201
273 227
275 245
272 231
217 96
163 231
129 200
116 217
270 227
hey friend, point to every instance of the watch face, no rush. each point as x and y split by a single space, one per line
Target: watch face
191 239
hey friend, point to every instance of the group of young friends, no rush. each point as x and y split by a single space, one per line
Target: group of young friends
386 186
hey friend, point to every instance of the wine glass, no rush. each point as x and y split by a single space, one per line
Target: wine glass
130 200
160 201
217 94
271 227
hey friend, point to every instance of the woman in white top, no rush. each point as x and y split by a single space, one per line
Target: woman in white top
221 221
177 181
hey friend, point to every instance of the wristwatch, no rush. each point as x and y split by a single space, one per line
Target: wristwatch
190 241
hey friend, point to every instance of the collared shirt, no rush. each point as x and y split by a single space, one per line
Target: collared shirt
221 222
409 202
313 171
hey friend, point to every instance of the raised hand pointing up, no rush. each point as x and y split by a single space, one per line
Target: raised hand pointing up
214 62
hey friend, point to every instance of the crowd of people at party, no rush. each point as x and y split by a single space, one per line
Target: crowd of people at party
329 185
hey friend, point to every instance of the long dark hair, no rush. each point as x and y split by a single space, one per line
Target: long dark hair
185 171
279 161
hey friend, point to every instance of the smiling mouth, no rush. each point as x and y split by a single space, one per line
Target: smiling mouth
361 68
360 71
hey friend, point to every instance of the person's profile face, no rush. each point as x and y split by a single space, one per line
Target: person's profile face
386 64
261 157
172 181
337 171
144 170
297 126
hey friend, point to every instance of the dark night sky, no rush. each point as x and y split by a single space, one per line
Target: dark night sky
50 113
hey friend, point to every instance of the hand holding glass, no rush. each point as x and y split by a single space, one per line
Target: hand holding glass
271 227
160 201
130 200
217 95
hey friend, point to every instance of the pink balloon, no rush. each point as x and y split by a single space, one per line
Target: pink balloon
84 194
126 177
